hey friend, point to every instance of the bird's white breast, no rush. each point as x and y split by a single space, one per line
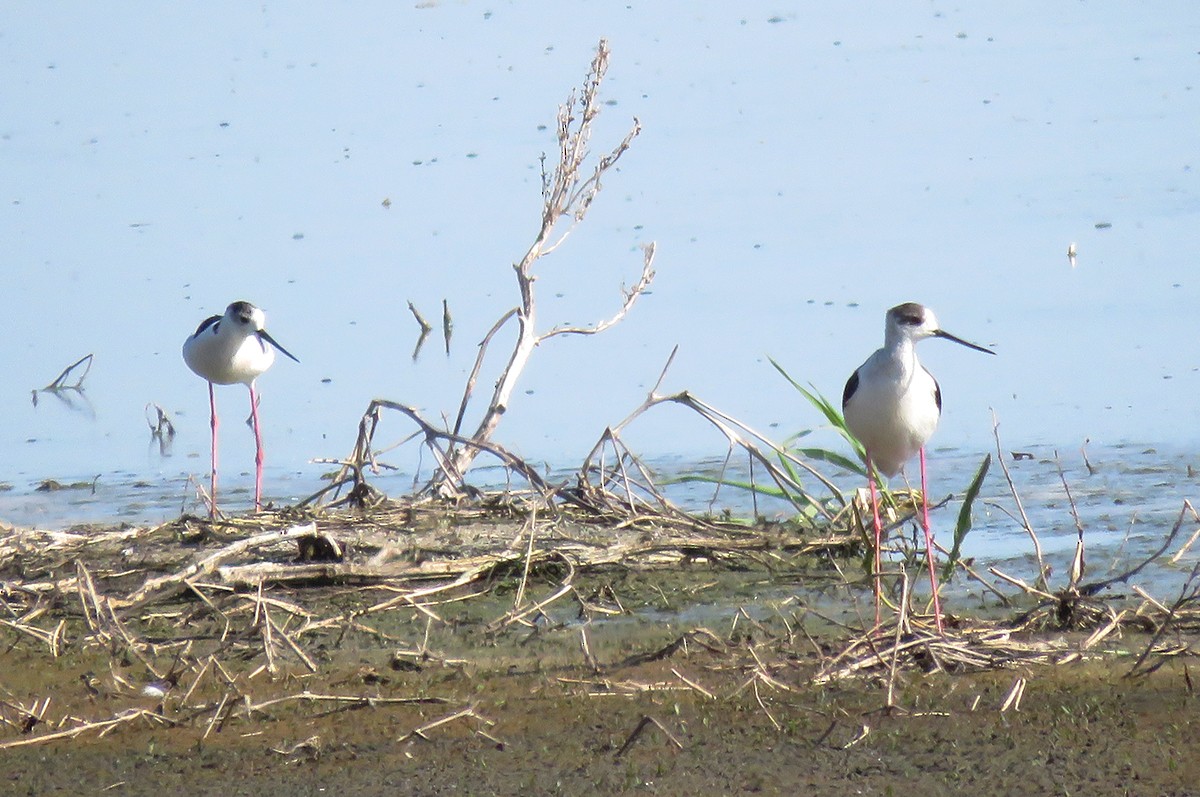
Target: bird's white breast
893 411
224 358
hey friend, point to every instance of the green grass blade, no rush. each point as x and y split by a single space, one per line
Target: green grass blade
761 489
832 414
834 458
964 517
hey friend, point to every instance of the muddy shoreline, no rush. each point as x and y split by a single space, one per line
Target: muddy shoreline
1080 729
618 679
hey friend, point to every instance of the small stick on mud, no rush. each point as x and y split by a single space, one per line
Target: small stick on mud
102 727
863 733
763 706
520 597
363 701
695 686
585 646
1013 700
641 726
466 713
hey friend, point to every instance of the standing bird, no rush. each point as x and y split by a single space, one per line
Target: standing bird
892 404
226 350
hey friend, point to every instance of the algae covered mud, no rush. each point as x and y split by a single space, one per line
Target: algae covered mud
496 652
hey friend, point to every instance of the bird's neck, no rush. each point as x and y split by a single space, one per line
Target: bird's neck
902 350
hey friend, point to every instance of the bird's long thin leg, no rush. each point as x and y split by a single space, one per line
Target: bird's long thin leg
878 532
258 450
212 487
937 608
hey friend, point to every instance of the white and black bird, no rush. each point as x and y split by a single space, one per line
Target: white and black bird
231 349
892 405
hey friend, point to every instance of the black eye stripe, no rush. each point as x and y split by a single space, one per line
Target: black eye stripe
911 320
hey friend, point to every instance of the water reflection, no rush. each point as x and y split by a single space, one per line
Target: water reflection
68 388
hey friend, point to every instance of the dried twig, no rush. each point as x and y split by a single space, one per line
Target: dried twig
641 726
1040 583
102 726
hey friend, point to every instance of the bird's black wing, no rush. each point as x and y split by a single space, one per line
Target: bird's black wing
211 321
852 387
937 391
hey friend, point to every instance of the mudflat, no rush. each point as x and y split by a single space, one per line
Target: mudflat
711 677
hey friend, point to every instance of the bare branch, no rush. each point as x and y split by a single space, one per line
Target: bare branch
470 387
565 193
631 296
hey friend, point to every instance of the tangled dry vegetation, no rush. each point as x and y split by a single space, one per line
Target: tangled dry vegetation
209 623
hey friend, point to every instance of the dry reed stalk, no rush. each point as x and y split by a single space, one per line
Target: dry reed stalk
354 701
1188 593
1025 524
905 586
30 717
693 684
1150 599
1097 586
54 639
585 648
737 434
520 596
102 727
216 722
89 601
863 733
1026 588
1013 698
154 587
1077 561
758 699
290 642
465 713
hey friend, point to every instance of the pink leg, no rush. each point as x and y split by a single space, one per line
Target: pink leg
258 450
929 554
212 410
878 531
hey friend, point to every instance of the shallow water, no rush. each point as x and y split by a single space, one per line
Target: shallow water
800 172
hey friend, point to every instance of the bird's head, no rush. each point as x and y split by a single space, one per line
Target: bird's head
912 321
246 316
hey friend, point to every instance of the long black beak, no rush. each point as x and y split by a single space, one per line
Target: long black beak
262 333
940 334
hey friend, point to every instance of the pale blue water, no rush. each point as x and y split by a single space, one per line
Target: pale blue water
802 168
